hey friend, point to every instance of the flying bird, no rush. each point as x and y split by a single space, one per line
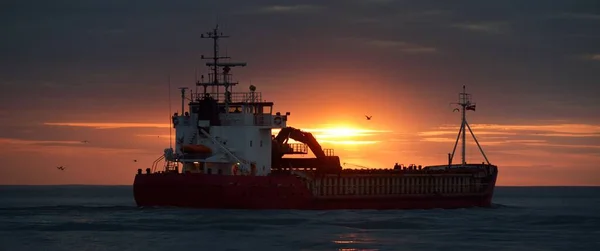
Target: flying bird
85 141
62 168
135 160
368 117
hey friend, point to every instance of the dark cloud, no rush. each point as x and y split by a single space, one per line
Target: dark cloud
535 58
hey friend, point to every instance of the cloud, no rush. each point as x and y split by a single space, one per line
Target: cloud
585 16
395 45
591 57
108 125
562 145
39 142
60 147
279 9
508 141
483 27
422 17
553 135
162 136
583 135
366 20
434 133
548 175
564 129
438 139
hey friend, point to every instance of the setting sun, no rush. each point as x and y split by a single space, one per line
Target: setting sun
341 135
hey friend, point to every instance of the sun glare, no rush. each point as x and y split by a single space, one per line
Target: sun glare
341 135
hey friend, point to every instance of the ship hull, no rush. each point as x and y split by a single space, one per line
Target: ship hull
284 192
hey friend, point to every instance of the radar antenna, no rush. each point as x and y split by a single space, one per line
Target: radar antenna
466 105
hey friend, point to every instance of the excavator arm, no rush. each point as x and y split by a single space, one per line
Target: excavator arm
300 136
322 163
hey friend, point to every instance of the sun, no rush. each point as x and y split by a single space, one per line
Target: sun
342 134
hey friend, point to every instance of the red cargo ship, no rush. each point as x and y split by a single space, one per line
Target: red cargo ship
225 156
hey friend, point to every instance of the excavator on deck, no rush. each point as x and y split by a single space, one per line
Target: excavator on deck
324 161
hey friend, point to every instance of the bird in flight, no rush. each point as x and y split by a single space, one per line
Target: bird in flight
368 117
85 141
135 160
62 168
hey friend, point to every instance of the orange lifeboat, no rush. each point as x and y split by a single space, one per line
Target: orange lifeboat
196 149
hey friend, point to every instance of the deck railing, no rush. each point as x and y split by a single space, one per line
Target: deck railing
297 148
328 152
235 97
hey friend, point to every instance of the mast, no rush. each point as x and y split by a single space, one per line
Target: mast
182 99
464 100
215 65
170 118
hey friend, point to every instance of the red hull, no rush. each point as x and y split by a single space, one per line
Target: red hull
281 192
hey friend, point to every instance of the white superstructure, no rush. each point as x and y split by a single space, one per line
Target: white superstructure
223 132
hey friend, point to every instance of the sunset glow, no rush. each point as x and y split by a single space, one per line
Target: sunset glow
342 135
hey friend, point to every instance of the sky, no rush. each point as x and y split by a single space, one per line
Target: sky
99 71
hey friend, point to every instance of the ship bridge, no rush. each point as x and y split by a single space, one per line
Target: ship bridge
236 109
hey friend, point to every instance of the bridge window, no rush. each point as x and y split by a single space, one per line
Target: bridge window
250 143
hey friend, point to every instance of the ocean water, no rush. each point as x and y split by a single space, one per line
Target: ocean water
106 218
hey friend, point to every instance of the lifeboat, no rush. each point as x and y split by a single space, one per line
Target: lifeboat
196 149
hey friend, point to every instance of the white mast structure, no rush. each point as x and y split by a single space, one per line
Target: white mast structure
464 100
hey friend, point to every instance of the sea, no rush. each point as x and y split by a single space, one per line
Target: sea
106 218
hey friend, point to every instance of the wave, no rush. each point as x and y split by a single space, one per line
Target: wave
70 207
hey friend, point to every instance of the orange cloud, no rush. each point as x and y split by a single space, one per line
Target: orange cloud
562 145
110 125
37 142
60 146
567 130
158 136
518 134
449 132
